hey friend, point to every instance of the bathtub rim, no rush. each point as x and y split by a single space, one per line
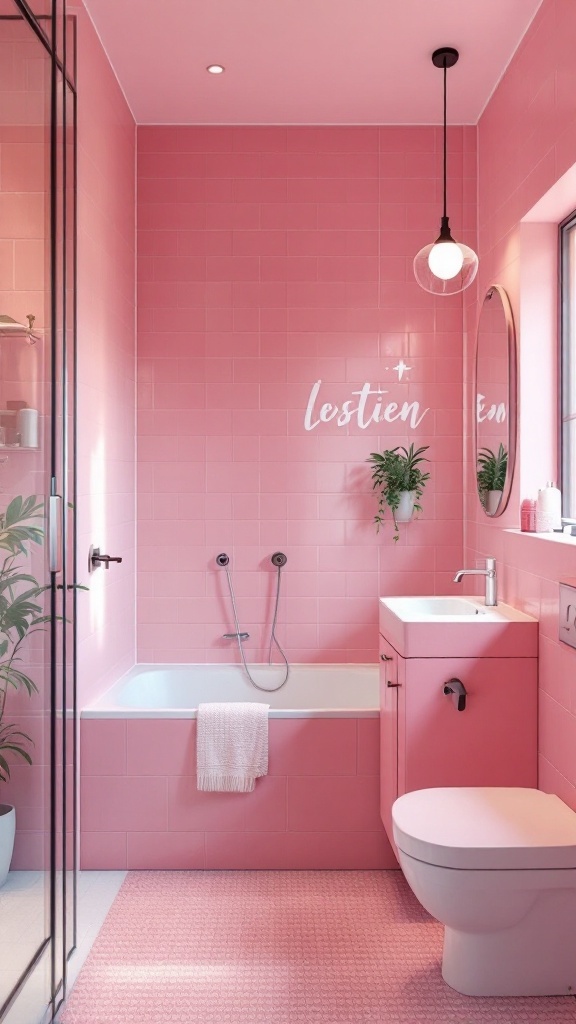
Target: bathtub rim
93 711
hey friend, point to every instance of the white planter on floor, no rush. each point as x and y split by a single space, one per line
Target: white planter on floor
7 833
405 509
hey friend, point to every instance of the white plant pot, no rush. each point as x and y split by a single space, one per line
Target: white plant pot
493 499
405 509
7 833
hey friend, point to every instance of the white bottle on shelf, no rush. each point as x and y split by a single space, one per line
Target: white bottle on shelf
549 509
27 427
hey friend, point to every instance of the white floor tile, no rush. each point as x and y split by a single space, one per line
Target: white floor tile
24 923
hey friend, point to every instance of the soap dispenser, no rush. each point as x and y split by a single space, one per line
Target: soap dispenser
549 509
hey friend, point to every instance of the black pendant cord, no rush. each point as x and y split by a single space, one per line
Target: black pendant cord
445 73
446 57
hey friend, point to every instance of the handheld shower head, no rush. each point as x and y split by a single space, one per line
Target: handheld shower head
222 560
279 559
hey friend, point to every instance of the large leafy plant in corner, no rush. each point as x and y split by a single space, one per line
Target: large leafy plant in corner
393 471
20 616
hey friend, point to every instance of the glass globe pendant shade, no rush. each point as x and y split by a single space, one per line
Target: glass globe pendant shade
429 279
445 267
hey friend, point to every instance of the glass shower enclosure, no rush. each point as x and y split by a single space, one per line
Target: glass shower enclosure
38 719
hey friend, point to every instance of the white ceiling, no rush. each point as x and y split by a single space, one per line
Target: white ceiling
307 61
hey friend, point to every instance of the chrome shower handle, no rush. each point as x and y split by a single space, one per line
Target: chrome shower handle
97 559
55 533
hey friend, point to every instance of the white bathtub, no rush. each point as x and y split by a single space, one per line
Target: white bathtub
174 691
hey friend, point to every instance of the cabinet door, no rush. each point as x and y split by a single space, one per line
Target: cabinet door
491 743
391 668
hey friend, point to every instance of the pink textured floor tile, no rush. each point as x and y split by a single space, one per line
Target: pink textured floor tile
266 947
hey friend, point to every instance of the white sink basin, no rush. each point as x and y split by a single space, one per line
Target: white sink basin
456 627
411 608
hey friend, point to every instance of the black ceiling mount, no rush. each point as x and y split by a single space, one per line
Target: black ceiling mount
445 57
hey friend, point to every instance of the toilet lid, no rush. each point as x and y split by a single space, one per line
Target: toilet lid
478 828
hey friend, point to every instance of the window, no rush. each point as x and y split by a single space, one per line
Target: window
567 425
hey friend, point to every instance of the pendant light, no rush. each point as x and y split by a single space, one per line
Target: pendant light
446 266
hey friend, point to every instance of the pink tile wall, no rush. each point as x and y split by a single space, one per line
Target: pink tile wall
526 141
269 259
317 808
106 364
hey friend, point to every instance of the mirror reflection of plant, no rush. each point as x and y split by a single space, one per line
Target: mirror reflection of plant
491 469
393 471
20 615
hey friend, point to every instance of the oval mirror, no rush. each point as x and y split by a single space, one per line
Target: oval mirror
495 401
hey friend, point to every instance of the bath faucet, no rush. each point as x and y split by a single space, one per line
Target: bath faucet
491 593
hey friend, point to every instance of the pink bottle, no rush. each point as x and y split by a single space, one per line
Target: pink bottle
528 515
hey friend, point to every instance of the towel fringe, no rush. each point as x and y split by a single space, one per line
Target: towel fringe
212 782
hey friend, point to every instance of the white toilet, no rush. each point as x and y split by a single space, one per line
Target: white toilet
497 867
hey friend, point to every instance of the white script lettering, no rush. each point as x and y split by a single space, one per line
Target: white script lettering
492 412
370 408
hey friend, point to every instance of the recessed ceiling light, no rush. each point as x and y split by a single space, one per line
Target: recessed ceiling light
215 69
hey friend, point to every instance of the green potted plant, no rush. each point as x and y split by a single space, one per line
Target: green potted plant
20 616
491 476
399 483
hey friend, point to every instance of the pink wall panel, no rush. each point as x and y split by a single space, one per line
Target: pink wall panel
106 364
270 261
308 812
526 142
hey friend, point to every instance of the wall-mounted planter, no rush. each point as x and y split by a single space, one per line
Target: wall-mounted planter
394 471
7 833
405 509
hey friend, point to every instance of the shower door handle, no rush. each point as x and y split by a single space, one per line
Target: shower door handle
55 533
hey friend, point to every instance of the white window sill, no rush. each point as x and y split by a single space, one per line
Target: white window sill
554 538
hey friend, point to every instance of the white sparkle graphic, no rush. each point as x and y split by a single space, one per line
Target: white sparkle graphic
401 367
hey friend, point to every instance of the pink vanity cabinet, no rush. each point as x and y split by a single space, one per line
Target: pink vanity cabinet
427 742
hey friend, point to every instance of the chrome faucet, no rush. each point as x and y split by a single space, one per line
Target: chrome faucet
491 594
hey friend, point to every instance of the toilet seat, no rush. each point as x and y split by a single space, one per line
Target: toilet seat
478 828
